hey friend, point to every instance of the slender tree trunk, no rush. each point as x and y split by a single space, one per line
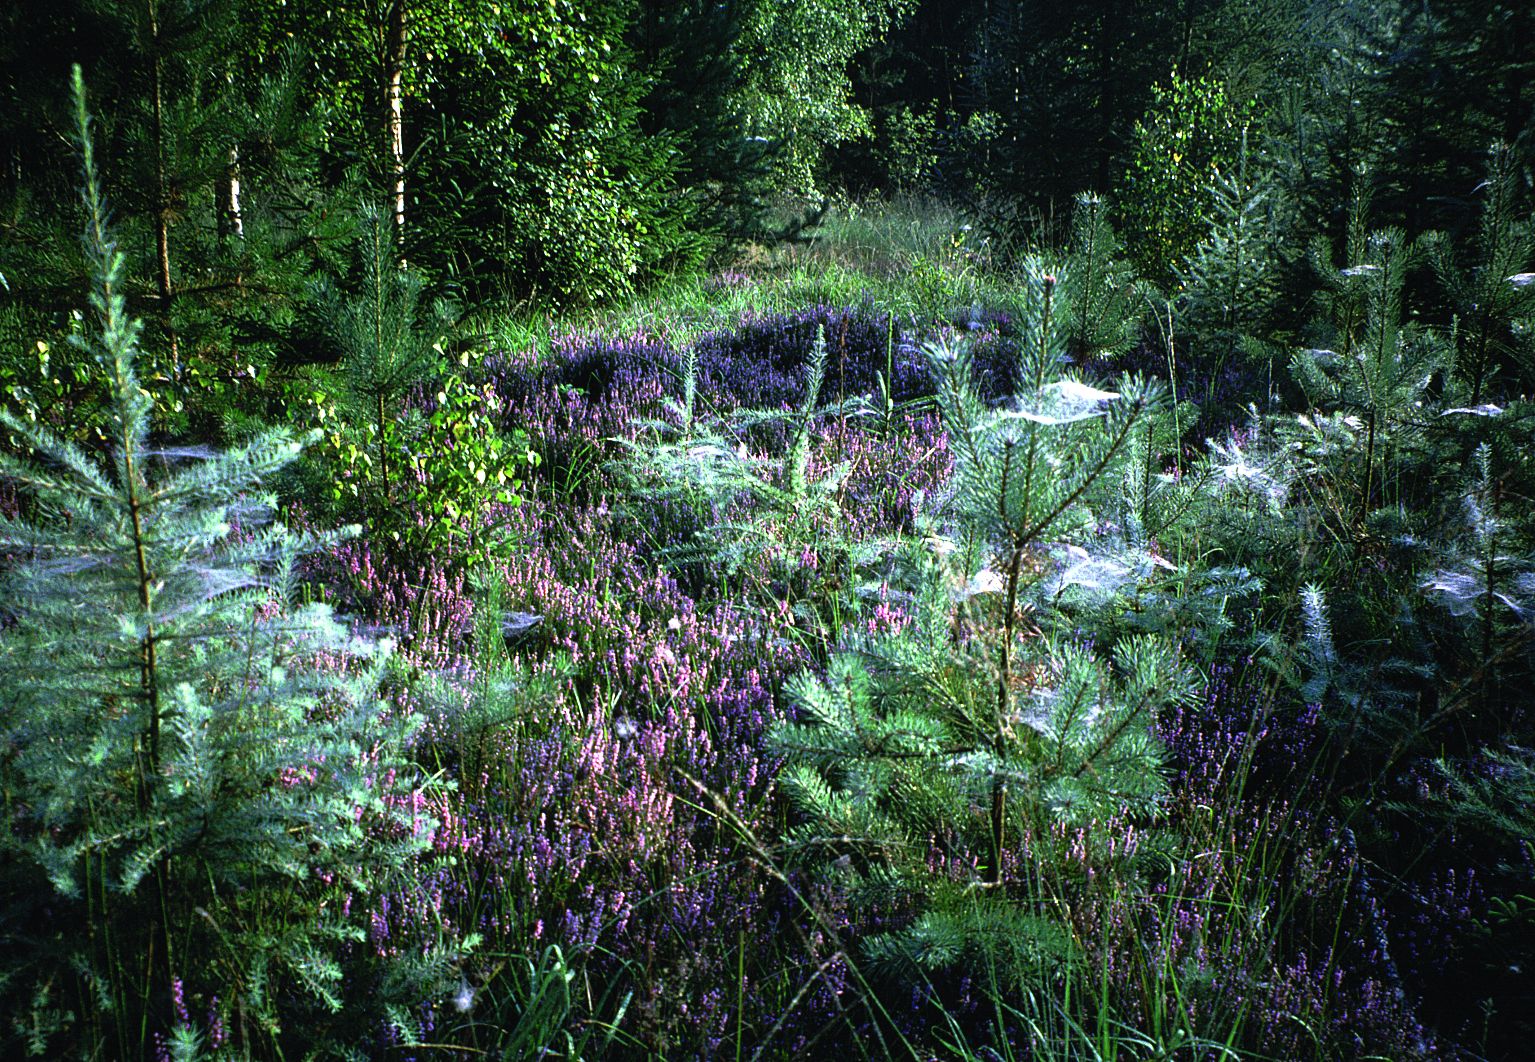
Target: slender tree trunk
1004 684
394 115
1369 472
159 958
1003 722
383 453
231 221
162 192
1187 42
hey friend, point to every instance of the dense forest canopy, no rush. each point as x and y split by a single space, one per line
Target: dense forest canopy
994 529
568 151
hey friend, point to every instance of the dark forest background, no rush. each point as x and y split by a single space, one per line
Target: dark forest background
568 152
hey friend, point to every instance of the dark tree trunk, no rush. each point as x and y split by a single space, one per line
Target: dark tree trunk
162 191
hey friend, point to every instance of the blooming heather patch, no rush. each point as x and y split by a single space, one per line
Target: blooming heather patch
585 824
612 796
1236 736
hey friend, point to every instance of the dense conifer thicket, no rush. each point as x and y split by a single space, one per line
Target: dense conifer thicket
665 529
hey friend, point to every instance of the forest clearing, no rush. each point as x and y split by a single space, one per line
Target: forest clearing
677 530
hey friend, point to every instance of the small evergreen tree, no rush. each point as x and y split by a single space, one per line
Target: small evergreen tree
1226 282
1484 579
695 68
744 505
387 342
1380 365
1109 298
198 776
924 757
1492 296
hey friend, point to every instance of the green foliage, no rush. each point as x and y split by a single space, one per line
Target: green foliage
1193 132
1491 799
1224 525
199 768
797 93
196 765
1479 578
1318 649
1486 581
1016 478
748 508
454 465
906 147
1498 801
528 172
1226 282
1446 81
693 61
47 390
900 751
235 109
1045 101
464 467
